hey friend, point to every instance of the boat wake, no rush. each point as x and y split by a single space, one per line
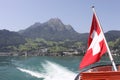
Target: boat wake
52 71
32 73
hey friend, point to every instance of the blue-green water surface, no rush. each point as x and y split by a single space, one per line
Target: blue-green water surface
38 68
41 68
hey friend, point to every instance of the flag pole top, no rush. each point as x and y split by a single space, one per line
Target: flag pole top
93 6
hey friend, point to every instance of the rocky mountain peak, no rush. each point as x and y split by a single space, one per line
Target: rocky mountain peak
53 29
57 24
55 20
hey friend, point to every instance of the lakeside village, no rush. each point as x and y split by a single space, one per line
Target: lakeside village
41 47
46 48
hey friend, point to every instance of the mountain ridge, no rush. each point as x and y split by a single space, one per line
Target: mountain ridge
53 29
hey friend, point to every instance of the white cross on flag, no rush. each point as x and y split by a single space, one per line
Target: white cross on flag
96 44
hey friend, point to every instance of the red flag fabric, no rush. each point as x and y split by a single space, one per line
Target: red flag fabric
96 44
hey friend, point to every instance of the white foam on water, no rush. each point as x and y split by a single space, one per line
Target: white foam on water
52 71
32 73
57 72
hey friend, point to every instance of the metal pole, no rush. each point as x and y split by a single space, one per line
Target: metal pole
109 53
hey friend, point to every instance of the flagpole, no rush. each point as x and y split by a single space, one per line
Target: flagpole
109 53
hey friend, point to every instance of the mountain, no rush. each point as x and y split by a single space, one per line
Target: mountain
112 35
9 38
53 29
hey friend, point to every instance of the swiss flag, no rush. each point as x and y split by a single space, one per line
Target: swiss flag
96 44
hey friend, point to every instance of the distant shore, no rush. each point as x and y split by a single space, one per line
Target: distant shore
37 54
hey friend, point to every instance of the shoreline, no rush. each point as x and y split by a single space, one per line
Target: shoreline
36 54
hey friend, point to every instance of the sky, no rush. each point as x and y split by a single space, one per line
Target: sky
16 15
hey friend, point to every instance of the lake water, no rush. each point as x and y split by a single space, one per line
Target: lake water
40 68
